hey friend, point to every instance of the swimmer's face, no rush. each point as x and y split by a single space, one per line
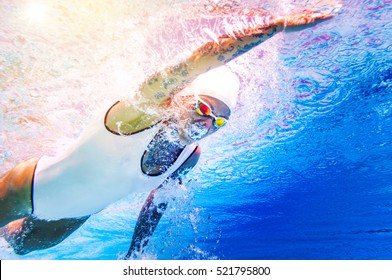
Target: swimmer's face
192 126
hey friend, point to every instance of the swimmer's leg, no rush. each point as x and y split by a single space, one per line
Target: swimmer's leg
15 192
29 234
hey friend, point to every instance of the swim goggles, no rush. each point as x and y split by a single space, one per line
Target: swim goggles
203 109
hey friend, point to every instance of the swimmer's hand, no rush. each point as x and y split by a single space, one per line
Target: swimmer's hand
307 18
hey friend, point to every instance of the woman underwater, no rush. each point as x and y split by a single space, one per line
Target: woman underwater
135 146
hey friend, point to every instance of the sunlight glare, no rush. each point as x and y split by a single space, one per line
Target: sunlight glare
36 12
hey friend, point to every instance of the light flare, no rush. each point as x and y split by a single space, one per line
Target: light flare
36 12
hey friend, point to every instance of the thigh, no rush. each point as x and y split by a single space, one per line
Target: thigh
15 192
30 234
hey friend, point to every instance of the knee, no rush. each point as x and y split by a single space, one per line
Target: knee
15 232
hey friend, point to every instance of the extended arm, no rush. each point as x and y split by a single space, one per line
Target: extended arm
241 35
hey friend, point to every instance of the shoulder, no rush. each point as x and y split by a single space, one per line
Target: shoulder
189 163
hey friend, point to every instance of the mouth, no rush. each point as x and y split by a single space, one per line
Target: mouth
193 132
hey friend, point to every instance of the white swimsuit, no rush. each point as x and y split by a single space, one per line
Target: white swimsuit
104 167
100 169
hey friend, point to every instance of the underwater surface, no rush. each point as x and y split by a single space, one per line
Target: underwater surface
302 171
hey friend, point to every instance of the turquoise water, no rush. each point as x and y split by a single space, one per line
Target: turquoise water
303 170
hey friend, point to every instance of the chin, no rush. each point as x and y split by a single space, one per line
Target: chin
184 138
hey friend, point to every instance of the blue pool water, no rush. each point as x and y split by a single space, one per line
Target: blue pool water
303 171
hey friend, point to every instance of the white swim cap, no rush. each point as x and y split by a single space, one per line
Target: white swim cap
220 83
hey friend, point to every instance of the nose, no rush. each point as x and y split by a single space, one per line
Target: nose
206 122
